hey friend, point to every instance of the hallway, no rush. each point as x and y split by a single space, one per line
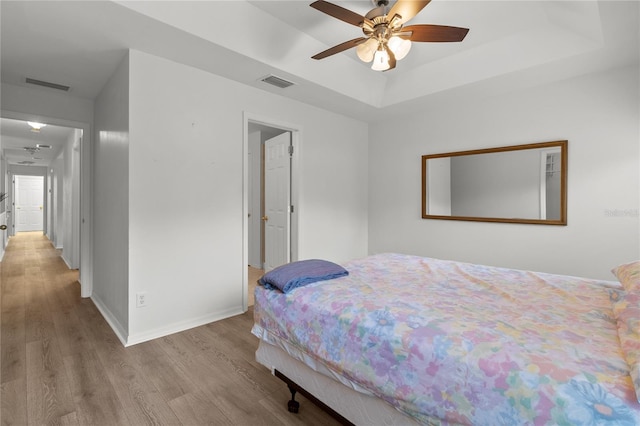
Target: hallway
60 362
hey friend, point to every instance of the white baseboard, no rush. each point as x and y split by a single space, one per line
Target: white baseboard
111 320
181 326
65 261
130 340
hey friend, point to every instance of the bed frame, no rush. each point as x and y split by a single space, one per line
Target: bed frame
293 406
345 404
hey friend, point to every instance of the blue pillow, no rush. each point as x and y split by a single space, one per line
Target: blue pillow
297 274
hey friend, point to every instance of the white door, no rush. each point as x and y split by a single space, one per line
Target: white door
29 203
277 183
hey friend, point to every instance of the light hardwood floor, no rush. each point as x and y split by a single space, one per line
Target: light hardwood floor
60 363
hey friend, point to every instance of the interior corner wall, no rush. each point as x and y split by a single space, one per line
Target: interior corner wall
111 201
186 190
49 215
597 114
57 201
71 200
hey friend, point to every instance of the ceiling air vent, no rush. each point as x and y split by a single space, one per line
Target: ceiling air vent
277 81
26 162
47 84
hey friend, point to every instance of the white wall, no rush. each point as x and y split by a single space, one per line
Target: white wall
111 201
186 190
56 208
71 200
598 114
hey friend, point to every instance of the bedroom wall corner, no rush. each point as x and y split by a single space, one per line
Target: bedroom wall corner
111 201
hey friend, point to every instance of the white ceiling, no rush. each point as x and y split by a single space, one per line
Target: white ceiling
510 45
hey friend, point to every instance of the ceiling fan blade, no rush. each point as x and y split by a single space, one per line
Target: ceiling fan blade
434 33
338 12
340 47
407 9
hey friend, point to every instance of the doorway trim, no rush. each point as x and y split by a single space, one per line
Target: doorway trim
86 200
296 137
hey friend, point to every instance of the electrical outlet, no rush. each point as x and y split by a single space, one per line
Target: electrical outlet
142 300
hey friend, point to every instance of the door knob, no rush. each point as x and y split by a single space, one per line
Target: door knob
3 227
265 218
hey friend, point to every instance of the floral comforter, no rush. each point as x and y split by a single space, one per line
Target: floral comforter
456 343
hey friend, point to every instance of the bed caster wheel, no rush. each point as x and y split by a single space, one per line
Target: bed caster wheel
293 406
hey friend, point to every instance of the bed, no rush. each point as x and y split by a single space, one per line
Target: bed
405 339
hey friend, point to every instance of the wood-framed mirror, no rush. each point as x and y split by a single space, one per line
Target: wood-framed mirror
512 184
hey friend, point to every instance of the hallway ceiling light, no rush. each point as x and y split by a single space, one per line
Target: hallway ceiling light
35 126
43 146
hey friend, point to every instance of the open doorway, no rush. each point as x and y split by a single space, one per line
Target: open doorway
270 194
52 159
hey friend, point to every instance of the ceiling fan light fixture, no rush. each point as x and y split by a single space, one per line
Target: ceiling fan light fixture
380 60
367 50
35 126
386 40
399 46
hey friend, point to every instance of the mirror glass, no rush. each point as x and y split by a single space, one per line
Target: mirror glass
517 184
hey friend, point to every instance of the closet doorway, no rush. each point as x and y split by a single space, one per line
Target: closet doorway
271 237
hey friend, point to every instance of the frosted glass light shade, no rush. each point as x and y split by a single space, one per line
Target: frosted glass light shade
36 125
399 46
380 61
367 49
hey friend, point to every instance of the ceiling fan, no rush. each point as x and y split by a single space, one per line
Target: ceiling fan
386 40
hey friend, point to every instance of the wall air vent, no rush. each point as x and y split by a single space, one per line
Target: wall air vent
277 81
47 84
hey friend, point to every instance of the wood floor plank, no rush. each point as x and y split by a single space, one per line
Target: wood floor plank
70 333
140 400
13 356
197 409
94 396
240 411
48 390
13 402
173 382
38 324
